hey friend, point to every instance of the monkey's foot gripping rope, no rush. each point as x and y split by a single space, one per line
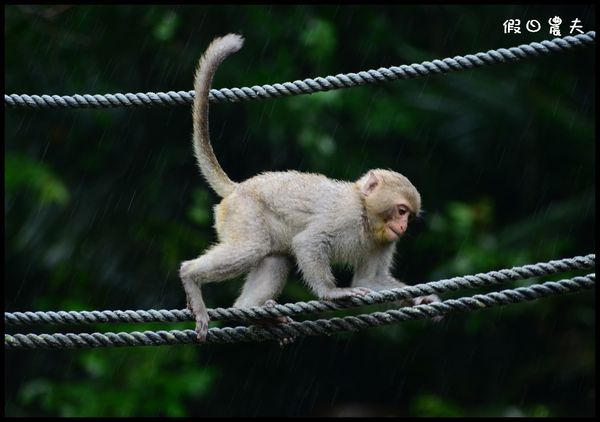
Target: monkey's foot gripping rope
305 328
307 86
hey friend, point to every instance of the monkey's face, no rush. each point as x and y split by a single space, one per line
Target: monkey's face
389 212
396 222
390 223
390 202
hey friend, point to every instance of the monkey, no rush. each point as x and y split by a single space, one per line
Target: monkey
266 221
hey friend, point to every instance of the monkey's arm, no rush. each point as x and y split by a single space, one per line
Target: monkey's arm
374 273
312 250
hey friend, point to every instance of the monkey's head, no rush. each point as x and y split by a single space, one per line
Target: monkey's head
390 201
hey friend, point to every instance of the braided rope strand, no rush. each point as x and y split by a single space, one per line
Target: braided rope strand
314 306
306 86
305 328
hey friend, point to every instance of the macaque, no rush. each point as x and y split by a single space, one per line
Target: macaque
265 221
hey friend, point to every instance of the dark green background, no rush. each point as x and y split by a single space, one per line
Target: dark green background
101 206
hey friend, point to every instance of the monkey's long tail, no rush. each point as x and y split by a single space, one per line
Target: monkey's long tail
218 50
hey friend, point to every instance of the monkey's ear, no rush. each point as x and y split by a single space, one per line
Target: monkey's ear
369 183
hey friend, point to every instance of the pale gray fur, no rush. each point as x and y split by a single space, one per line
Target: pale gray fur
264 221
216 52
265 281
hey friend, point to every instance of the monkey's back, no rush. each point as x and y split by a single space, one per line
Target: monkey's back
295 195
290 201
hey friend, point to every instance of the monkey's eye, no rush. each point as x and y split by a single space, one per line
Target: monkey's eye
402 210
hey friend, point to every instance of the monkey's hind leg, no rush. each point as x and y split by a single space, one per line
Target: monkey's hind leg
279 320
263 284
222 262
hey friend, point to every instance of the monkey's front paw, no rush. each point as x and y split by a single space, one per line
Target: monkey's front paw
360 291
426 300
341 293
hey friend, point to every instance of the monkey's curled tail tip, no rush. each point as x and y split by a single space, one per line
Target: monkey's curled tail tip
231 42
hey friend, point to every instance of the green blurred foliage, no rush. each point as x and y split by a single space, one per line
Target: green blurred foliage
101 206
23 173
103 377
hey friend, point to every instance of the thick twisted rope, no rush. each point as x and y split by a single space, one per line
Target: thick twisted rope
296 329
314 306
307 86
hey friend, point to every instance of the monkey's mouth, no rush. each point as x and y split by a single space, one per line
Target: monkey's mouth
393 234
